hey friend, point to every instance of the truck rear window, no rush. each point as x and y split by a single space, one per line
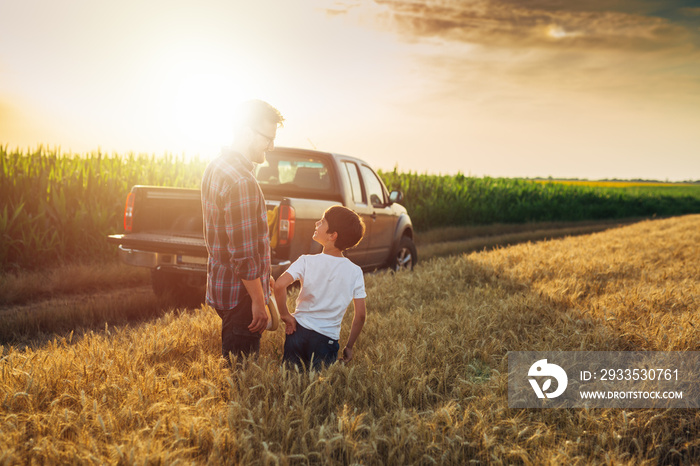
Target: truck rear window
289 174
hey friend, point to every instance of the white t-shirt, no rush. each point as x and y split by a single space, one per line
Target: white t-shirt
328 285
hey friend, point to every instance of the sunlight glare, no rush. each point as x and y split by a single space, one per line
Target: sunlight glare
197 84
202 108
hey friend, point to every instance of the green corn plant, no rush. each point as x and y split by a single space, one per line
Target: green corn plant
61 206
8 243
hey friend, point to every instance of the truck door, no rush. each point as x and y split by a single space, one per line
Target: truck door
381 217
351 172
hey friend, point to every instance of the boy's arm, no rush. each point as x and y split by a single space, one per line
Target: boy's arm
358 321
290 323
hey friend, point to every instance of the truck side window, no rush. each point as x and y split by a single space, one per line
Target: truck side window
375 189
354 182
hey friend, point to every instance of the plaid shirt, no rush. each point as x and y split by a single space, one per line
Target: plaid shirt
235 230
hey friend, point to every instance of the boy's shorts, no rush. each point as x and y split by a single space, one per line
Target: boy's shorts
303 343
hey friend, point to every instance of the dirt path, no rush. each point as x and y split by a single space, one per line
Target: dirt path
75 299
34 323
464 240
42 310
37 294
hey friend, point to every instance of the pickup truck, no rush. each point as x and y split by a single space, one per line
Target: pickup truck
163 226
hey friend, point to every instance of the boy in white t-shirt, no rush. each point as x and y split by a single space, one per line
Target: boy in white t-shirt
329 281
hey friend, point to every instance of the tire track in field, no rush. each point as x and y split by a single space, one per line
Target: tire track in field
478 243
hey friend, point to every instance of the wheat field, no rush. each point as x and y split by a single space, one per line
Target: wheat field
428 384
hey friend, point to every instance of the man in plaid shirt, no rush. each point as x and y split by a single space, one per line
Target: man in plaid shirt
236 232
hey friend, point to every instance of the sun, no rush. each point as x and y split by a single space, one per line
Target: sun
202 106
196 88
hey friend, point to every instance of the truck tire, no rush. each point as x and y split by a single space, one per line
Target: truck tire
405 257
174 286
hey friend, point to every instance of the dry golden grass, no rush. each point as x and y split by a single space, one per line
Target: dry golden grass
642 280
428 385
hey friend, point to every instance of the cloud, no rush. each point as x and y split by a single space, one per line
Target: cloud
530 24
690 11
613 46
598 24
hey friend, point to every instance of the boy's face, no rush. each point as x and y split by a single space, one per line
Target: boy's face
321 234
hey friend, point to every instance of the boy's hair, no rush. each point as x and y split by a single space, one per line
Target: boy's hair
347 224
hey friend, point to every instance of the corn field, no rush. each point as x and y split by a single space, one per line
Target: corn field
441 201
56 207
59 207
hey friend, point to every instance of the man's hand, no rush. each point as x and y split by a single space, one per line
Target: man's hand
260 318
290 323
259 323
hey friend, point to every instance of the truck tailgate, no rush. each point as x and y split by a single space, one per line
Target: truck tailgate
161 242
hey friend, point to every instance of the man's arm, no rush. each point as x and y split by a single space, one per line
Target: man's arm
255 290
358 321
290 323
244 231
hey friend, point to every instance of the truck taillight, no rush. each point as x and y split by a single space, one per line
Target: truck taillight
129 213
287 221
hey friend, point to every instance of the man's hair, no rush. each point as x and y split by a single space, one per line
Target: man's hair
347 224
254 112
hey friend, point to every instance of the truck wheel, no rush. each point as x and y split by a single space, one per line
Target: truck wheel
405 257
173 286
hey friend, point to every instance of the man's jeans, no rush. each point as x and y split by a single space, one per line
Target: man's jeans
235 336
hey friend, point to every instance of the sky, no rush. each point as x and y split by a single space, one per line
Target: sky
588 89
